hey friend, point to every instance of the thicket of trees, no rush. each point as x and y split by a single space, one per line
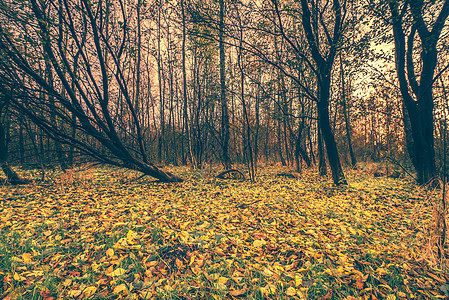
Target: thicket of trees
138 84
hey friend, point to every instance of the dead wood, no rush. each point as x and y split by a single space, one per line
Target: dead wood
231 174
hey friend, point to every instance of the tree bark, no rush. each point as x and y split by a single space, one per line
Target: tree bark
323 72
184 89
321 158
346 115
224 105
11 176
418 111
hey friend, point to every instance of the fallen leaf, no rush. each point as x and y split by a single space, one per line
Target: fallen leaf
26 257
291 291
121 288
110 252
89 291
117 272
240 292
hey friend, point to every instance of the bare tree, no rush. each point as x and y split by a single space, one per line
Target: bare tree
417 92
92 95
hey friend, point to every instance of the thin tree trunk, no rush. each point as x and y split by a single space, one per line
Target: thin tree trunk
57 145
247 130
224 104
346 115
184 89
21 145
161 141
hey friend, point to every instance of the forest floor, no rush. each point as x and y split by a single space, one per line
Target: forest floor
99 234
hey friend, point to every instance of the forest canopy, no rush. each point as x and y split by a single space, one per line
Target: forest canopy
140 84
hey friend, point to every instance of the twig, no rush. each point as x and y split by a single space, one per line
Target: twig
399 165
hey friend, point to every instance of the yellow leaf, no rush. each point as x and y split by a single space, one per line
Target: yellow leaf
135 247
26 257
17 277
35 252
223 280
16 259
184 236
95 266
259 243
391 297
110 252
291 291
117 272
381 271
192 259
130 236
267 272
74 293
220 251
269 289
401 294
119 224
200 262
120 289
298 280
221 284
89 291
67 282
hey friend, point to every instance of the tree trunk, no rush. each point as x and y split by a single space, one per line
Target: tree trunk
324 66
11 175
224 105
247 129
418 112
328 135
346 115
184 89
321 158
21 144
299 151
161 139
57 144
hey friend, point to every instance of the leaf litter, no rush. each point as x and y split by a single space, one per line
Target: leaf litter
207 238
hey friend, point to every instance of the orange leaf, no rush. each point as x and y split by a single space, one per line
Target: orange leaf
179 264
44 293
359 283
241 292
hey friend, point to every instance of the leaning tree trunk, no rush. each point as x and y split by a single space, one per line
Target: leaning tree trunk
89 100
